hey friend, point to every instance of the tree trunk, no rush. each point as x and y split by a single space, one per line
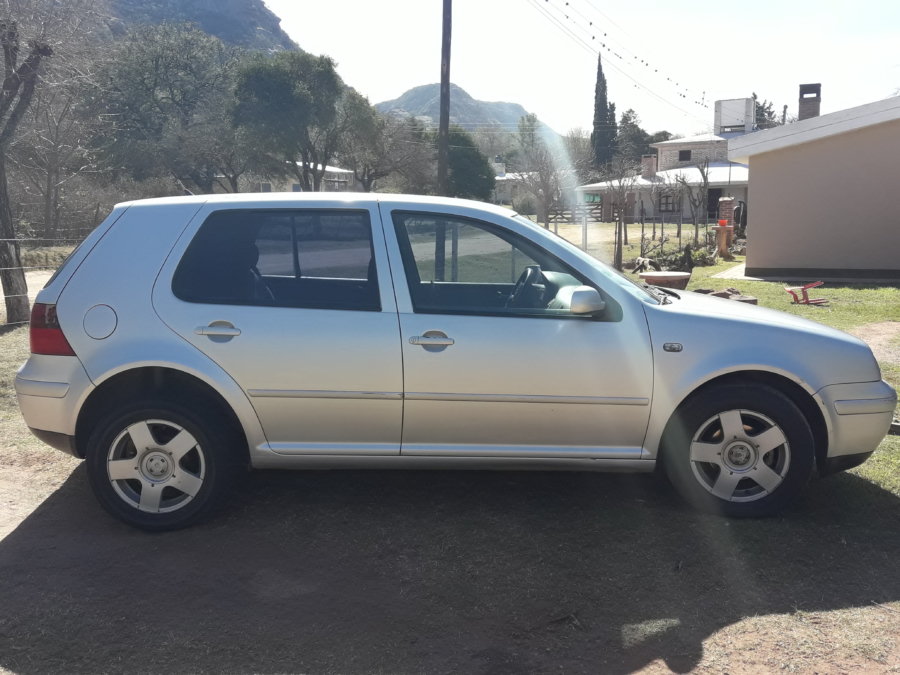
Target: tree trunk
617 257
12 276
543 213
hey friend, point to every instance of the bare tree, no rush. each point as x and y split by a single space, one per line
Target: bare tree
697 195
539 167
495 141
659 186
52 146
31 32
621 175
580 152
19 83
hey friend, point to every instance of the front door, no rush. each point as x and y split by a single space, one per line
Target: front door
495 364
296 305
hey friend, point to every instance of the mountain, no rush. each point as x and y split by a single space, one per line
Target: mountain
424 102
242 23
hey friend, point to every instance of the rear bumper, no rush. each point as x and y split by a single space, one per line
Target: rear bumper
56 440
859 417
50 390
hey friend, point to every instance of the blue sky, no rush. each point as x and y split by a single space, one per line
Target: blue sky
667 60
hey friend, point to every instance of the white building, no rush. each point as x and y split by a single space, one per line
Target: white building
657 192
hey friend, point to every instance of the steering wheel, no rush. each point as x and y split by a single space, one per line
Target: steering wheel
528 278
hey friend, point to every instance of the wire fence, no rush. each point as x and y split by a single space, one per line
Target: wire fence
39 258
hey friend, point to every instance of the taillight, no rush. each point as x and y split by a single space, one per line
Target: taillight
46 335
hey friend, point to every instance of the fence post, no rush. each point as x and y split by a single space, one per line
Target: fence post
584 246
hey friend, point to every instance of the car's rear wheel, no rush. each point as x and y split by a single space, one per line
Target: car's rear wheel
159 465
743 451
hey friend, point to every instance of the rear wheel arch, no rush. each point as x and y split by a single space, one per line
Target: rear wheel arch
796 393
152 382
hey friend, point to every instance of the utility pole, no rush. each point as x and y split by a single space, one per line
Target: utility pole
444 124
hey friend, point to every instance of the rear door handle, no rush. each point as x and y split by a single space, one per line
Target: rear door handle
218 329
432 340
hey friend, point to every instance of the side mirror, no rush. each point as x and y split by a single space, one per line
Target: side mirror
586 300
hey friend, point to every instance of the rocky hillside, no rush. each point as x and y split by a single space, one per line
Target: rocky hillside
243 23
424 102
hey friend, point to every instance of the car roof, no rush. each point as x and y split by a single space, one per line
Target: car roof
335 198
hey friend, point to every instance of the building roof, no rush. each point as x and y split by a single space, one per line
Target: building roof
329 168
814 128
721 174
701 138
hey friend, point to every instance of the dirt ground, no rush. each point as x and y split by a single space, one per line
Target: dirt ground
444 572
883 338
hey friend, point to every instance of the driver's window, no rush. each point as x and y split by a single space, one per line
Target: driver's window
458 265
450 250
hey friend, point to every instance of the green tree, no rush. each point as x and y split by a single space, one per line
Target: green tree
632 142
660 136
375 146
765 114
290 103
603 138
470 174
168 94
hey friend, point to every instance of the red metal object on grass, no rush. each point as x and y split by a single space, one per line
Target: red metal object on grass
804 298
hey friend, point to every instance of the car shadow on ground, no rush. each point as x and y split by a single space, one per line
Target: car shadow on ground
360 572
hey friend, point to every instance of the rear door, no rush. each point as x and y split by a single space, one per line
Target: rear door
295 302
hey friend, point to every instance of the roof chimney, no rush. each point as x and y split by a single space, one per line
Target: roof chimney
648 166
810 100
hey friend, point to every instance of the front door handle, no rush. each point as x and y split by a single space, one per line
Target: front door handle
432 340
429 341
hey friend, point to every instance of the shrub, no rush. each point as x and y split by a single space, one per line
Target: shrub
524 205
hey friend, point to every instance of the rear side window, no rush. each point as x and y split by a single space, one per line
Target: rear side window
319 259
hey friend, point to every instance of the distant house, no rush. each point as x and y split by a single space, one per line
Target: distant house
335 180
655 192
512 187
825 195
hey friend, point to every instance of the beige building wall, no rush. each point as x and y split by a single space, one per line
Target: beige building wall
714 151
829 208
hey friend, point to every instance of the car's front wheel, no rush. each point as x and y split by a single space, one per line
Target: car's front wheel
159 465
743 451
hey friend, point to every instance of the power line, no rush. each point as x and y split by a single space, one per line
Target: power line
600 45
636 58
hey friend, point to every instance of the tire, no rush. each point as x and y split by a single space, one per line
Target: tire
739 450
160 465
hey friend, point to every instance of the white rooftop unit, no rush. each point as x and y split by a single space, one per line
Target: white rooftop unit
735 114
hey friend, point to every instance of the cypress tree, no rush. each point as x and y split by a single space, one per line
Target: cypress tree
603 139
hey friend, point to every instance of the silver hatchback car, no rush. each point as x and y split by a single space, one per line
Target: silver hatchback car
189 338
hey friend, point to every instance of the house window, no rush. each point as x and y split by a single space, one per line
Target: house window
265 187
667 203
296 187
684 155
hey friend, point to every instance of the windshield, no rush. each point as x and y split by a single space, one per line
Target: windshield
635 287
